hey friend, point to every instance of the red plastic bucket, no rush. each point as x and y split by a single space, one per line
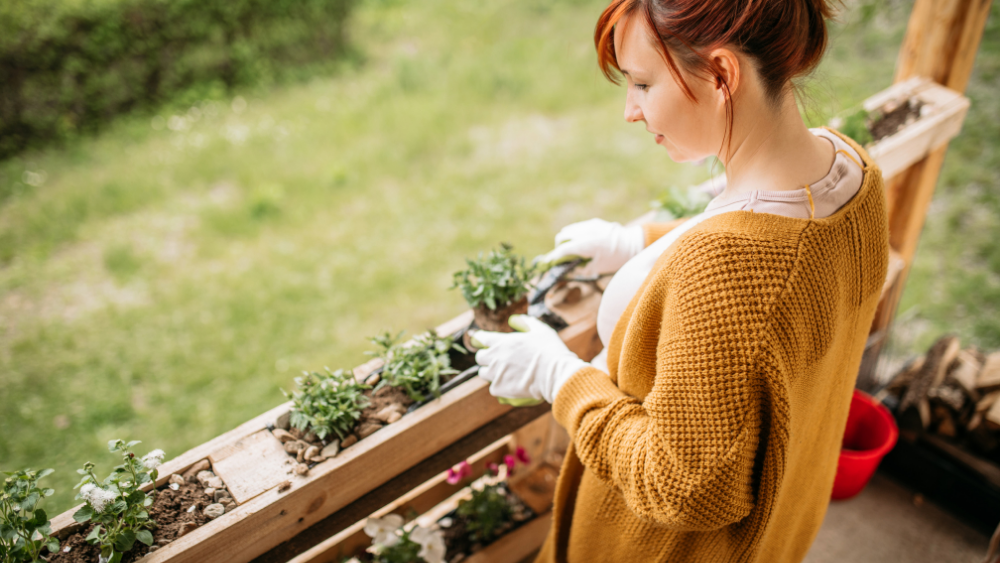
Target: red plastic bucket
871 432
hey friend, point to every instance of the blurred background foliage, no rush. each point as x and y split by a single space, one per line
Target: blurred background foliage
68 66
162 279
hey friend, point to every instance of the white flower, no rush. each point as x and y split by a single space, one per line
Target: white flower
153 459
431 542
97 497
383 530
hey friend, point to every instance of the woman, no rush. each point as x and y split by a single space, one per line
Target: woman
710 428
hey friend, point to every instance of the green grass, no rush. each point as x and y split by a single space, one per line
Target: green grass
162 281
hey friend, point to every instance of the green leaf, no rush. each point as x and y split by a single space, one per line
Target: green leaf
40 518
94 534
113 445
148 501
48 492
44 472
125 540
133 443
84 514
116 557
145 537
52 544
118 507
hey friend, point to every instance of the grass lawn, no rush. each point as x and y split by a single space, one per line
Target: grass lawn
161 282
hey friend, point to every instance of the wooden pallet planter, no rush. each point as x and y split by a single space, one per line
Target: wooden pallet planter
275 505
940 121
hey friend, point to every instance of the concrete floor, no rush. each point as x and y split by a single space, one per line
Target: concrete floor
883 524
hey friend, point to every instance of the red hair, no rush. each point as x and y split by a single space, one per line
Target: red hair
786 38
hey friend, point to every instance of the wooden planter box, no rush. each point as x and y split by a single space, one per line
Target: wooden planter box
939 123
275 505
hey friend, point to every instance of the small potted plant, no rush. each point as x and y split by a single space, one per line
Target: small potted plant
418 367
25 529
496 286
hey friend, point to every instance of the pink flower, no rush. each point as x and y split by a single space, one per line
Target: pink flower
510 462
459 472
493 468
522 455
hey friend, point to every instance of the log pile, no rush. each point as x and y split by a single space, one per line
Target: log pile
951 393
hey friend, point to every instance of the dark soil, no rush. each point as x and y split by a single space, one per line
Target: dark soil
892 120
496 321
169 511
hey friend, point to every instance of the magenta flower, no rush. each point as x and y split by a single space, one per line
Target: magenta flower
493 468
510 462
459 472
522 455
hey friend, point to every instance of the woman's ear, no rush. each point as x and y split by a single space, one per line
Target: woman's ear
728 69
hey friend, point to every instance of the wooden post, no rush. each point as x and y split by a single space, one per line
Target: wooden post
942 38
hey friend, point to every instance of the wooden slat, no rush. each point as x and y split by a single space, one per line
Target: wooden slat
252 465
516 545
401 484
418 500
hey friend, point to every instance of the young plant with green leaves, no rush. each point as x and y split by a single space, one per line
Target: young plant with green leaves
676 203
495 280
857 125
417 367
329 403
392 543
486 512
117 505
25 529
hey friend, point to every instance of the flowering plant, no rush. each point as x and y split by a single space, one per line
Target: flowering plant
488 510
327 404
24 527
416 366
392 543
118 504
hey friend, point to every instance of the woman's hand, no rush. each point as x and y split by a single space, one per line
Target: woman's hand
531 364
607 245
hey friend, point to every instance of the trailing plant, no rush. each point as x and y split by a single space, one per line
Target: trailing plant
496 279
117 505
392 543
676 203
24 527
417 366
328 403
857 125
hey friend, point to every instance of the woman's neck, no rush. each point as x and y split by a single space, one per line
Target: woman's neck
772 149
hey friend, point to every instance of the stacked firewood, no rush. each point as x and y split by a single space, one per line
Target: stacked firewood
954 393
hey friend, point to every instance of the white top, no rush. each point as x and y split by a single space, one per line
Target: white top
829 194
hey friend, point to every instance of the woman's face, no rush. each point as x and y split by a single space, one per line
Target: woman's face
688 130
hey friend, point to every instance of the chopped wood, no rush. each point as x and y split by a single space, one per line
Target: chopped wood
992 416
965 370
931 375
952 396
986 402
905 376
989 376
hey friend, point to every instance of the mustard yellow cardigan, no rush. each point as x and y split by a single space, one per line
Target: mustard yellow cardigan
716 436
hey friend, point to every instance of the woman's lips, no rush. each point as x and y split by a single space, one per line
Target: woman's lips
658 139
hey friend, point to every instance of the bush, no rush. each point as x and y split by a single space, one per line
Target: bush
68 66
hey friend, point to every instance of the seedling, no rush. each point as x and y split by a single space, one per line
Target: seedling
118 505
496 285
417 367
24 527
327 404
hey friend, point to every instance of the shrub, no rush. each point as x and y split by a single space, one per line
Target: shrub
418 366
24 527
495 280
68 66
118 505
327 404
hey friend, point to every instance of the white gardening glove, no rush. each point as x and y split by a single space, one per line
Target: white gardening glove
607 245
532 364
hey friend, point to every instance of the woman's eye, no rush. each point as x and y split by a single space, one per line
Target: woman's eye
641 87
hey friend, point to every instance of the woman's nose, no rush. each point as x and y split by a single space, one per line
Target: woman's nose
632 111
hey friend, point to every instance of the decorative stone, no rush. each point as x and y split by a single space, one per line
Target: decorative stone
220 495
284 421
300 455
367 429
187 528
394 417
284 486
193 507
301 469
311 437
294 447
312 452
282 435
173 486
349 441
230 506
213 511
153 548
385 413
197 468
330 449
204 476
162 542
296 432
209 492
216 483
176 479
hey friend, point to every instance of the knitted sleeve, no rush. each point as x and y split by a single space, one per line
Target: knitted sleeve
654 231
683 457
